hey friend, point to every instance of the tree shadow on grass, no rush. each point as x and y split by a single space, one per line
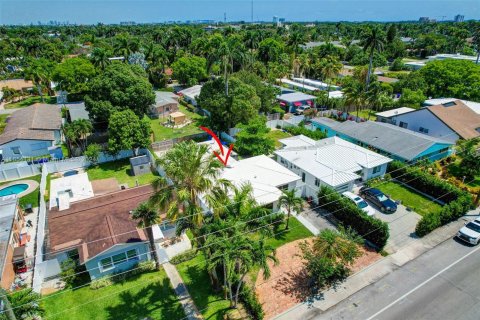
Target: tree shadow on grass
154 301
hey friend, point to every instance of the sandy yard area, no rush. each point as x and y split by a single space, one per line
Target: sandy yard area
287 285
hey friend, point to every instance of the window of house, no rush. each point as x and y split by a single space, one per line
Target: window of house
422 129
141 167
132 255
317 182
15 150
38 146
106 264
119 258
403 124
303 176
377 169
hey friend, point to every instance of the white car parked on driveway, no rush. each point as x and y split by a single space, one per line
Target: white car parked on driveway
470 233
362 204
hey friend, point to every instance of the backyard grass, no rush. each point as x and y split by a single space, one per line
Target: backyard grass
409 198
29 101
146 296
160 132
278 135
195 275
121 171
31 198
364 114
3 122
455 170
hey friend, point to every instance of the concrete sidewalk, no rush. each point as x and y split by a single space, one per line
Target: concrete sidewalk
188 305
380 269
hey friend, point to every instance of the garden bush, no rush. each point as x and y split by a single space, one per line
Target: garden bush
313 134
369 228
457 202
251 303
100 283
185 256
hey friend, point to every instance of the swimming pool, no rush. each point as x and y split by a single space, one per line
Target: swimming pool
14 189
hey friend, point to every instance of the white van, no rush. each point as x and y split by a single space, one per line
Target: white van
362 204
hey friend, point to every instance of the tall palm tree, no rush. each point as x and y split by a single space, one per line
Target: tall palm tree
373 42
476 43
228 53
146 217
295 40
330 67
190 171
354 95
290 202
99 58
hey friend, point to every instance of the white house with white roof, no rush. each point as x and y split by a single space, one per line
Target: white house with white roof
191 94
267 177
333 162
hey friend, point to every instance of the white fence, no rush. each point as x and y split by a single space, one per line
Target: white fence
39 269
20 170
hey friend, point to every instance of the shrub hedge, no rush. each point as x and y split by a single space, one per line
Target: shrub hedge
457 202
251 303
185 256
369 228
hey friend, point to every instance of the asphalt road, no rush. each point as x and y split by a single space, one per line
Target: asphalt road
443 283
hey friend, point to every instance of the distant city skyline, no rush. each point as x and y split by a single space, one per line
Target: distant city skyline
116 11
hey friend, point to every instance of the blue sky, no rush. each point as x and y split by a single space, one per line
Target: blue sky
114 11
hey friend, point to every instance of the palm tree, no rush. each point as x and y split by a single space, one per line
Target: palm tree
372 41
354 95
192 172
290 202
99 58
295 40
476 42
229 52
330 67
336 246
146 217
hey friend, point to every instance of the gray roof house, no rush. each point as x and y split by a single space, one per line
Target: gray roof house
165 103
31 131
395 142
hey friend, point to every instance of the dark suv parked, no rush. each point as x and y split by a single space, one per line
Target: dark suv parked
379 199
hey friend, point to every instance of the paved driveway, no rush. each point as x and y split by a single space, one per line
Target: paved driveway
317 219
402 227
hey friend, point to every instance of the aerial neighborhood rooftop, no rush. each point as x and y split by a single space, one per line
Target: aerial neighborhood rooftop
250 170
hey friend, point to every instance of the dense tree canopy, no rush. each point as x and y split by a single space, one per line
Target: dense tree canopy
252 140
240 106
119 87
74 74
189 70
126 131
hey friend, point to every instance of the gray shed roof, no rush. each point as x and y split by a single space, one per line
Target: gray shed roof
397 141
77 110
140 160
295 97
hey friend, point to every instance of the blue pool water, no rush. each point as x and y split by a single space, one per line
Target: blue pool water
15 189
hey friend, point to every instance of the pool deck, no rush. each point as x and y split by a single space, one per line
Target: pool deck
32 185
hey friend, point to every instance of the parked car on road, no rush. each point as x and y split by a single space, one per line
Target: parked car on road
362 204
470 232
379 199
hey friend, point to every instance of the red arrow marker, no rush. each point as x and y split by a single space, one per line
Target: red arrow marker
223 158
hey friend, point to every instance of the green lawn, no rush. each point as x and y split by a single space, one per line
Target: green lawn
31 198
364 114
195 275
147 296
3 122
278 135
121 171
454 169
161 132
29 101
408 197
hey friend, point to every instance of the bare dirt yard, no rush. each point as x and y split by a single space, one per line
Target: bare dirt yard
287 285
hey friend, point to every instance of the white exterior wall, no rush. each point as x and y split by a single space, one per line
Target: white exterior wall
25 147
367 173
424 118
